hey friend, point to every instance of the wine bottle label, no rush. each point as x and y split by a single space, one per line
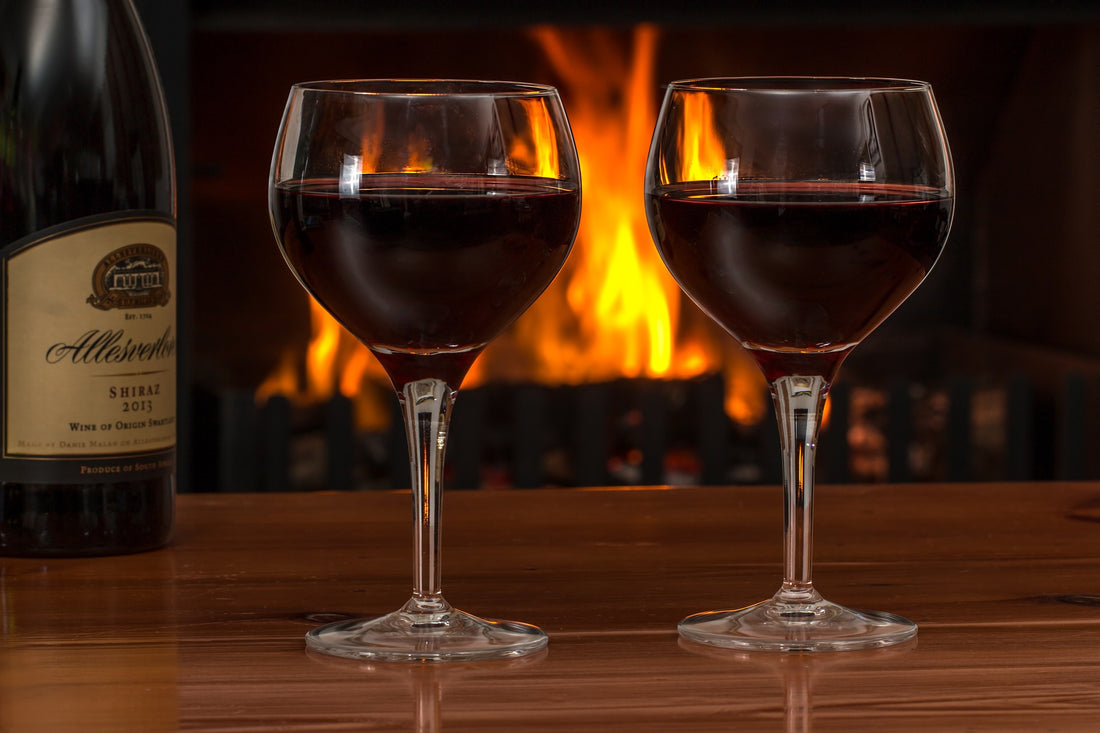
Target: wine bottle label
89 348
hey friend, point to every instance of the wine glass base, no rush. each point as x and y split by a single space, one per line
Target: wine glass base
783 626
450 636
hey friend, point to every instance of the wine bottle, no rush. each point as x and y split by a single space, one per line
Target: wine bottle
88 268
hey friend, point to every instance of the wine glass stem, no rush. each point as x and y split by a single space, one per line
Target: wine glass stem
426 405
798 405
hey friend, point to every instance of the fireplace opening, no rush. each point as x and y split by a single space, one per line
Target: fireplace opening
614 377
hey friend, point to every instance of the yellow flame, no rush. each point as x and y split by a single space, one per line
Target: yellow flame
321 353
535 153
704 156
624 304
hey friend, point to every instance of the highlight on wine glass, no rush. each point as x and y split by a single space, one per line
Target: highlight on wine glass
798 213
425 216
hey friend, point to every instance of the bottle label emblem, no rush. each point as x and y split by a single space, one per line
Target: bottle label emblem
134 276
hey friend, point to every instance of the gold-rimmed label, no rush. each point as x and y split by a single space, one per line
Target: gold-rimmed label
91 373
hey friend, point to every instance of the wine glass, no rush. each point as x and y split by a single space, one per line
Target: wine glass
798 213
425 216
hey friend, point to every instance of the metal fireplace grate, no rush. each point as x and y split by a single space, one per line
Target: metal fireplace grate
644 432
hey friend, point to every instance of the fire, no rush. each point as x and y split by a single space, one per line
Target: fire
536 153
614 311
704 157
335 362
616 291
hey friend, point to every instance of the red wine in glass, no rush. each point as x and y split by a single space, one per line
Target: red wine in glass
797 268
426 266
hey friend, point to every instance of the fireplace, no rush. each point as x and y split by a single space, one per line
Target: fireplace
996 336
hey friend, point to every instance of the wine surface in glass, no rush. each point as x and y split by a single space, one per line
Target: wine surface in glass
426 269
799 268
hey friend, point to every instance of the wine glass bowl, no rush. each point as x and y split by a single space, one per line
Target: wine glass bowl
799 213
425 216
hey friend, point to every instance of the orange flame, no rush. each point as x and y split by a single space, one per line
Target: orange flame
636 301
335 362
614 311
534 152
419 155
704 157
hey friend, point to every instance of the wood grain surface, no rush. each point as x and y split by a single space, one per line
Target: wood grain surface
206 635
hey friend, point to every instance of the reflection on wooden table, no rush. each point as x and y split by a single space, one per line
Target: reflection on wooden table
206 635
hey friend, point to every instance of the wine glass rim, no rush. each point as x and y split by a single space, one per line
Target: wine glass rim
799 84
427 87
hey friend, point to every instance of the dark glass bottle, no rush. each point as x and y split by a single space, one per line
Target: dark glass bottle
88 306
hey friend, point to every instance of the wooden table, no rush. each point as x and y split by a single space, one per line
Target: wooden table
206 635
